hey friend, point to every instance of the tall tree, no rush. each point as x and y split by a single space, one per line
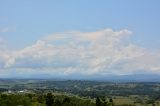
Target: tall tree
49 99
98 102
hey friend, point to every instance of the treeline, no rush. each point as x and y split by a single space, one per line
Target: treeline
52 100
42 100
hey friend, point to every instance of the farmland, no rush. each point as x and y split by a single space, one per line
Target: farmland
119 93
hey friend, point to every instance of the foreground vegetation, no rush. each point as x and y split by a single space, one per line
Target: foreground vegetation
78 93
42 100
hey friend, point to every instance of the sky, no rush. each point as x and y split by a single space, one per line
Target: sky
79 37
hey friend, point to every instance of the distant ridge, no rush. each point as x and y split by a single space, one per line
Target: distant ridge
117 78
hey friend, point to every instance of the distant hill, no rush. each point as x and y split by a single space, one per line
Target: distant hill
111 77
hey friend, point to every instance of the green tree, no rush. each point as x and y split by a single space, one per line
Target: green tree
58 103
110 100
66 101
49 99
41 99
98 102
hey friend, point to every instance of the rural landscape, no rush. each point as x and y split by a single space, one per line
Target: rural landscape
79 52
78 93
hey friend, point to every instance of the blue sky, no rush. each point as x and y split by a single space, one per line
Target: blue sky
27 24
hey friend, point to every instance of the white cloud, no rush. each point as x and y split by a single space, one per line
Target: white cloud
86 53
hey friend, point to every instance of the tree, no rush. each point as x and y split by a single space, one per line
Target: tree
58 103
49 99
110 100
66 101
98 102
40 99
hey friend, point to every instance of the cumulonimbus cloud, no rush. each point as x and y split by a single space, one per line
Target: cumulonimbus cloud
86 53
